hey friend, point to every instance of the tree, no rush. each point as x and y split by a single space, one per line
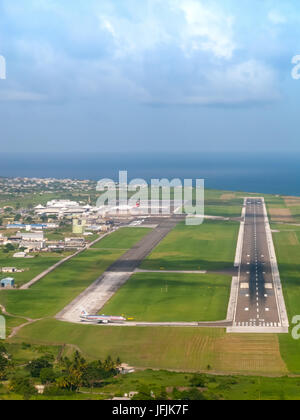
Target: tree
17 217
8 248
95 372
22 386
194 395
47 376
198 381
73 370
3 365
144 393
35 366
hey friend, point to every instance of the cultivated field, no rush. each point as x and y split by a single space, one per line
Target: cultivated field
223 203
186 349
288 254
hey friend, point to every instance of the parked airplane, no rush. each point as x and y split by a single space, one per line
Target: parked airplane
127 207
101 319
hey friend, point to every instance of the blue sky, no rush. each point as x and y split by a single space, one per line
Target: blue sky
134 75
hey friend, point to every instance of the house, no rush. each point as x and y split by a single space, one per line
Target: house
32 246
7 283
8 269
124 368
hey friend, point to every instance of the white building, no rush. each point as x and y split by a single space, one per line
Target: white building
62 208
32 236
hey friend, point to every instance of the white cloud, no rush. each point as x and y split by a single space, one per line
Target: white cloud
206 29
166 51
197 28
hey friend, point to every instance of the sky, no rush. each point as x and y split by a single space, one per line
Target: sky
101 76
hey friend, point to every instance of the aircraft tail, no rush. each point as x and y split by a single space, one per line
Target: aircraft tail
83 312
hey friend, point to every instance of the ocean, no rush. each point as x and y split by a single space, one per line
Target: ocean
260 173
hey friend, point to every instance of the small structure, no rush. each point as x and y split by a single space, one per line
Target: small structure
20 255
124 368
79 226
7 283
8 269
32 237
40 389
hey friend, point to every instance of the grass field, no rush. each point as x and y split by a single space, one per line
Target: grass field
57 289
32 266
186 349
11 322
123 238
287 244
210 246
172 297
222 203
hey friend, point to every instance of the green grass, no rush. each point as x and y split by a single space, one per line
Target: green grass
221 387
11 322
172 297
216 206
124 238
186 349
288 256
173 383
32 266
210 246
57 289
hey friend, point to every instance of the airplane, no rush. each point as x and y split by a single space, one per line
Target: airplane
128 207
100 319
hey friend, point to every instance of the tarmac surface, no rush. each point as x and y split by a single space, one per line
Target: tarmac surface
257 307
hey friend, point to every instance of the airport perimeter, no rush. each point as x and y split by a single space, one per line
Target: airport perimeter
256 303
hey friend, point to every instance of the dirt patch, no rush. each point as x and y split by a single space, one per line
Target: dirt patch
227 197
280 214
293 238
292 201
250 354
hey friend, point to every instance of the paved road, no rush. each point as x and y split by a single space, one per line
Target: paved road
257 301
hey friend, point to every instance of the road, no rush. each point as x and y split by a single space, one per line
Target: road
257 305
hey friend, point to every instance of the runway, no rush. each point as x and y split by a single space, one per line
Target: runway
259 300
98 293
